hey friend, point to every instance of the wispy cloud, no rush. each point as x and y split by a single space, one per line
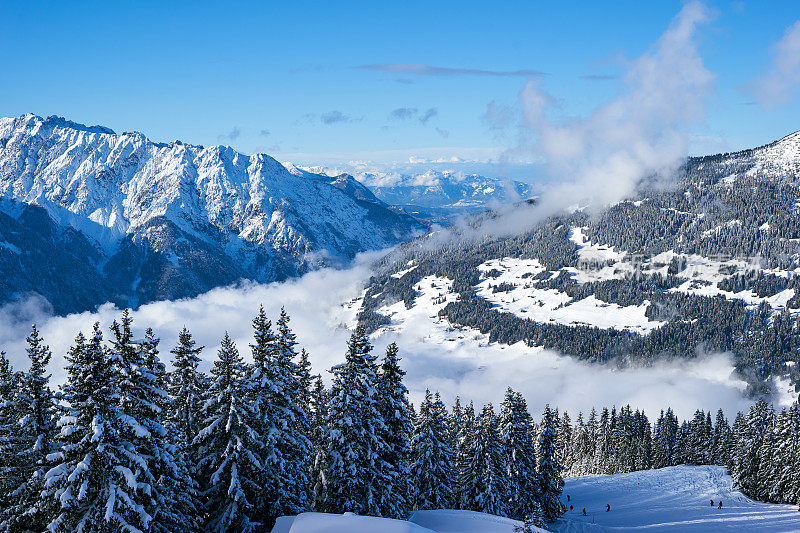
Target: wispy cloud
336 117
443 133
232 135
781 80
403 113
420 69
599 77
429 114
264 133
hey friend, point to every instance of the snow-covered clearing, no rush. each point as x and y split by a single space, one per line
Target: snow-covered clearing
670 499
550 305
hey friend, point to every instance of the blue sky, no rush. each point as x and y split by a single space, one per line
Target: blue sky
330 82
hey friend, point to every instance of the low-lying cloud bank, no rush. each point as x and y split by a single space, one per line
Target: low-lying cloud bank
474 371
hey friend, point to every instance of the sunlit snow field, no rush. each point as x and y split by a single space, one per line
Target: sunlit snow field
672 499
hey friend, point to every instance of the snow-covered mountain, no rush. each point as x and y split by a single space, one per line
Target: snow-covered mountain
709 264
437 196
89 216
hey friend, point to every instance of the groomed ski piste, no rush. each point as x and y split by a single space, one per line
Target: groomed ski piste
676 498
672 499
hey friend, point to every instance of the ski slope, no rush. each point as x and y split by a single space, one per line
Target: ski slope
669 499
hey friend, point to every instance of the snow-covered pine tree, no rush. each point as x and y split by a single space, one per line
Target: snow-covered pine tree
229 448
394 409
517 440
36 439
288 414
463 458
581 449
721 441
262 388
94 480
486 478
563 439
781 474
750 433
176 509
9 436
550 481
185 388
318 424
306 381
432 465
140 395
353 443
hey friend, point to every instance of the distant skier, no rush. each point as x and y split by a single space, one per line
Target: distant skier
720 505
608 507
712 503
584 511
570 508
567 497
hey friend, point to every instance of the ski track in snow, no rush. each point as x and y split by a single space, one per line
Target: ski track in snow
672 499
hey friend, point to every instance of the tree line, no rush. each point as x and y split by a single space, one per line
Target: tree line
127 445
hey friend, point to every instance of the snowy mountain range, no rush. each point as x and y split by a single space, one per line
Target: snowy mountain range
708 264
435 196
89 216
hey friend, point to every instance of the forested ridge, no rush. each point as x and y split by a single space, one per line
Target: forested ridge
739 216
127 445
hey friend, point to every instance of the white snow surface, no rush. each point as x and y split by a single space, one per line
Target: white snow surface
673 499
434 521
347 523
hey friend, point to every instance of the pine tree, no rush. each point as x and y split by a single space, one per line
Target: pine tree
229 448
395 412
549 471
517 440
36 440
290 400
94 479
486 478
141 397
185 388
463 460
176 505
11 476
318 424
278 396
306 381
353 445
432 466
721 440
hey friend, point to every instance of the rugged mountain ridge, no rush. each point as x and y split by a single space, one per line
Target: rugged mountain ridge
140 221
708 264
435 196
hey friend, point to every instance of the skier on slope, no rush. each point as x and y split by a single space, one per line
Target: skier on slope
720 505
712 503
584 511
608 507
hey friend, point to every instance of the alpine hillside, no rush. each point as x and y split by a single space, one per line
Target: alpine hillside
88 216
706 264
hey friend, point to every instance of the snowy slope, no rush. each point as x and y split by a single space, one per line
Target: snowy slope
173 220
670 499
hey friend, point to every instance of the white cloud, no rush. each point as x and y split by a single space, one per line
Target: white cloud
781 80
473 370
